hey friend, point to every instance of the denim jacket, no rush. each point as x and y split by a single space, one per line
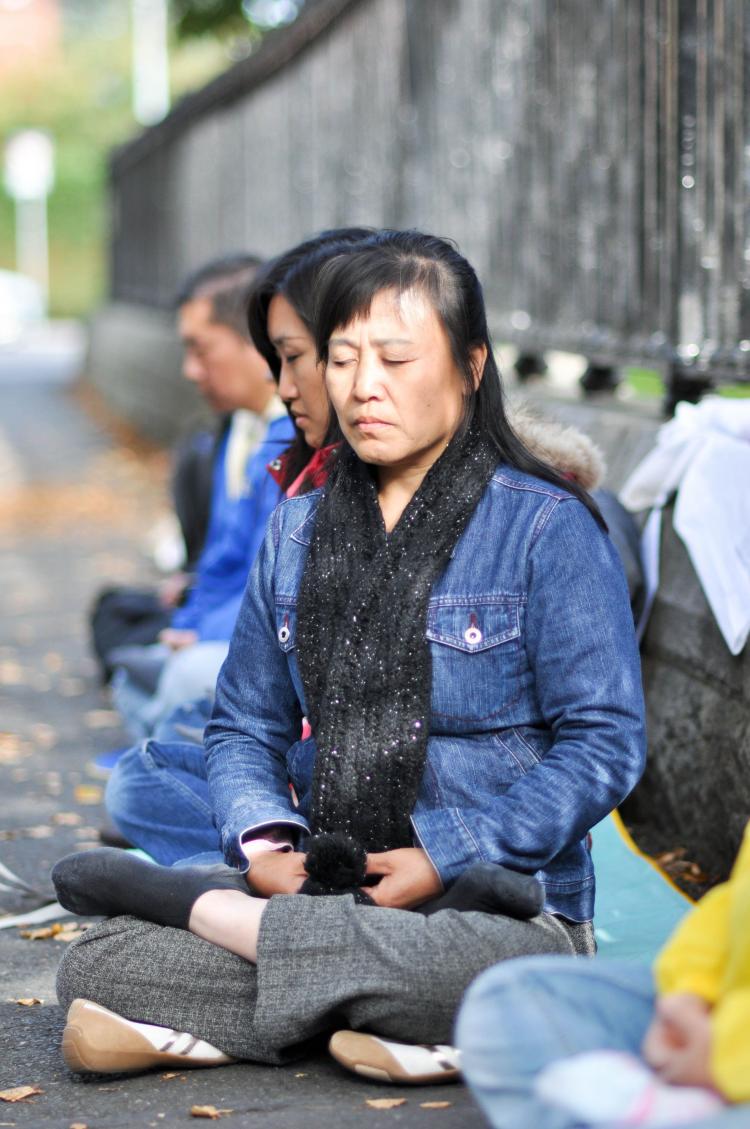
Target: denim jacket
536 728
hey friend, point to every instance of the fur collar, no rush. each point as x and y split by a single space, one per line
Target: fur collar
565 448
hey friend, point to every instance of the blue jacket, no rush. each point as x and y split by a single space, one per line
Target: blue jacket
537 727
235 533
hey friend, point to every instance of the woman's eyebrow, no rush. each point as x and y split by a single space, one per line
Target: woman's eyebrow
375 341
284 337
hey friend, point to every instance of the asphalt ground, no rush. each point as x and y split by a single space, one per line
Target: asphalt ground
76 504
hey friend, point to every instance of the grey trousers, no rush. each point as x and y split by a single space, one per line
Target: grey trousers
323 963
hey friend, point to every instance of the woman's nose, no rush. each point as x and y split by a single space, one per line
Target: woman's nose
367 379
287 388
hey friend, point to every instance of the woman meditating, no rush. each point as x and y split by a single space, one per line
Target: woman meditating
451 617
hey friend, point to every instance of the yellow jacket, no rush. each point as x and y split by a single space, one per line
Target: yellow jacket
709 954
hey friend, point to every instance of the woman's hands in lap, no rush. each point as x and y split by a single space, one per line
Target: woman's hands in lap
408 878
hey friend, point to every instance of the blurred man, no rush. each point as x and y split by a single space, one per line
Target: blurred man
234 379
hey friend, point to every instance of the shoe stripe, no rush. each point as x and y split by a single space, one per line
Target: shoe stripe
440 1057
179 1043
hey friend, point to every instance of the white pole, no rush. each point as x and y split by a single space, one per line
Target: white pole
32 246
150 60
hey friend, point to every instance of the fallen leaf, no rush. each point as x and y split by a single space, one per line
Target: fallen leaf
28 1001
78 1125
72 687
101 719
67 819
42 831
19 1093
88 794
43 735
209 1111
300 1076
435 1105
12 748
44 933
172 1074
11 674
666 857
384 1103
68 935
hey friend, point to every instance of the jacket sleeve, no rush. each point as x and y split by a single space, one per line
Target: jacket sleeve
256 719
581 647
235 539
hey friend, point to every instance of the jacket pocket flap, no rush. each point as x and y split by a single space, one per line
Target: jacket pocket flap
473 625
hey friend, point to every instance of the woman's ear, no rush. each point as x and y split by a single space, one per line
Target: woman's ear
478 360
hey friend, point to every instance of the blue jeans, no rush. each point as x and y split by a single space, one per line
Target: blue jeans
523 1015
157 796
149 683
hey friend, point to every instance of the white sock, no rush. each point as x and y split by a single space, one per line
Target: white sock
616 1088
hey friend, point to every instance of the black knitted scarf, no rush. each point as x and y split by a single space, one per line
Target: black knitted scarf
361 645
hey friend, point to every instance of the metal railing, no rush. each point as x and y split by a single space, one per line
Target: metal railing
592 160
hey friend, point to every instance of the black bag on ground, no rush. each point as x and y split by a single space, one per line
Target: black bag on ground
122 617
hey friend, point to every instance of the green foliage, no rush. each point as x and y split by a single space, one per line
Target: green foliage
201 17
82 99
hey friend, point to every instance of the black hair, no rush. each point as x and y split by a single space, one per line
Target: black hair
403 261
227 283
294 273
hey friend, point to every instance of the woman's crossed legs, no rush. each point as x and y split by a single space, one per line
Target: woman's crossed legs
320 961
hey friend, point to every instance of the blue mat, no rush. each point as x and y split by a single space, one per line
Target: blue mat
637 905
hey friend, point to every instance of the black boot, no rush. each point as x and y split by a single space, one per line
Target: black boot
107 882
491 888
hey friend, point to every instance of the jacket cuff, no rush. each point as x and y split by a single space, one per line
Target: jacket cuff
443 835
245 823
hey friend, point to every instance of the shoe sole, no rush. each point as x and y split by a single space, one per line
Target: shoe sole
98 1041
364 1055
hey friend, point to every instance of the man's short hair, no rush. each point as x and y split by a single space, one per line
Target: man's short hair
227 283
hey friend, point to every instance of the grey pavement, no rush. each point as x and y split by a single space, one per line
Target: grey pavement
74 510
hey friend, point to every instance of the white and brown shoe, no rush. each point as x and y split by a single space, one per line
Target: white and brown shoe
387 1061
99 1041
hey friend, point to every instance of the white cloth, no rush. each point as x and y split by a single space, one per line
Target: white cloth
704 454
246 432
612 1088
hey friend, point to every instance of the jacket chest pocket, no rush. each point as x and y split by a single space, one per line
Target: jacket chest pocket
477 658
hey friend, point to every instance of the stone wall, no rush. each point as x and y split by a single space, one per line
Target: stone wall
133 361
696 788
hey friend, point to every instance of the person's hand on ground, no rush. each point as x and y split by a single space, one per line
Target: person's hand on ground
177 639
276 872
408 878
677 1045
